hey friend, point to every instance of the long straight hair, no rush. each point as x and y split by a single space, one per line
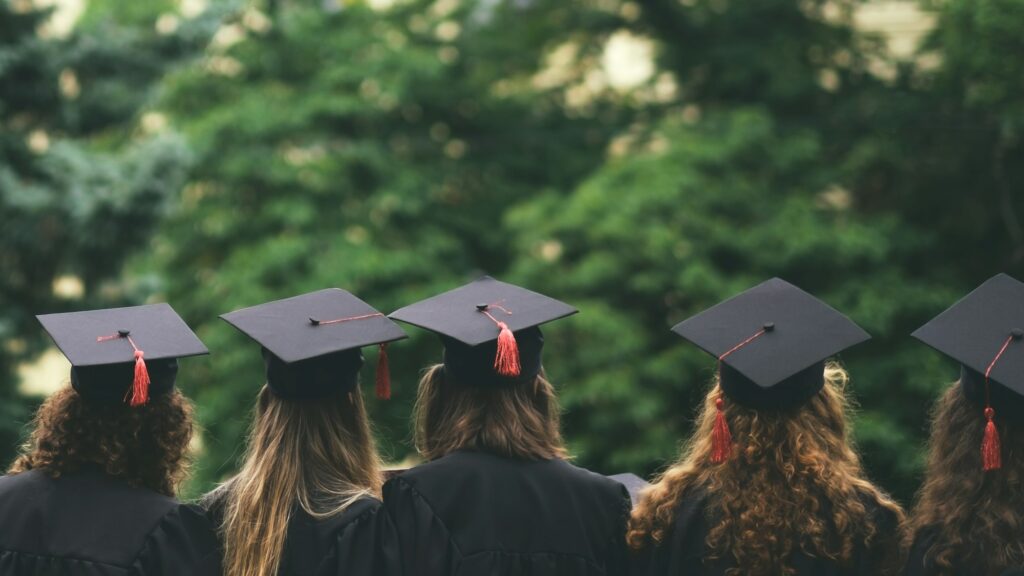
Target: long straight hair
977 517
317 454
515 421
784 465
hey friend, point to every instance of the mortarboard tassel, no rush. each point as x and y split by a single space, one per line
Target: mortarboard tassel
721 436
991 449
506 361
140 385
138 394
383 374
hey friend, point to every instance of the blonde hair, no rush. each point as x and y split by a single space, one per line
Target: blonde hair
977 517
783 465
517 421
317 453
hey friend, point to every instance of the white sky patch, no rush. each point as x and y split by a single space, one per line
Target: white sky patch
68 287
49 373
227 36
153 122
192 8
166 24
901 22
628 60
65 14
559 67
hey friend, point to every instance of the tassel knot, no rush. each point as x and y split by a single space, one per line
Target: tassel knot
506 361
383 374
721 436
991 449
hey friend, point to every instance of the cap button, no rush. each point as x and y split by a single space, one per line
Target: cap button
123 333
314 321
482 307
769 326
1017 333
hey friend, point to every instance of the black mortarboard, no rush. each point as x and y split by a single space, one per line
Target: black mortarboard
311 343
490 329
124 354
772 342
984 331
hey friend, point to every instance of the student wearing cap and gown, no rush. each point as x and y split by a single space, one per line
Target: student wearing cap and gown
769 483
92 492
306 500
497 495
969 516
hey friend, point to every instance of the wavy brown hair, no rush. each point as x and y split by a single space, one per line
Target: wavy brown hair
977 517
146 446
318 454
766 500
516 421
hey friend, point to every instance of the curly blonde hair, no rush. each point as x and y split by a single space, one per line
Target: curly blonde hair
146 445
977 518
767 498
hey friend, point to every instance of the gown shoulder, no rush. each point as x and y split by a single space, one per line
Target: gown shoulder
184 542
86 523
683 550
476 513
360 540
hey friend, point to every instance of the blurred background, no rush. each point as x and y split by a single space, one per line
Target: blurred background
641 159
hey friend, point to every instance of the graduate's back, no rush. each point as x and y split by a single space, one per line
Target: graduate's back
92 492
87 523
968 519
787 499
306 499
769 482
477 513
497 496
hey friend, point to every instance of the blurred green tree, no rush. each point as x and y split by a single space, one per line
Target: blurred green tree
81 185
399 151
373 150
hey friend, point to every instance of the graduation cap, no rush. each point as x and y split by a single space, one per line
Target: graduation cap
984 331
124 354
771 343
312 342
490 329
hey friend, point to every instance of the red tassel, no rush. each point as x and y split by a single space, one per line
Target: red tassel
991 449
140 386
721 437
506 362
383 374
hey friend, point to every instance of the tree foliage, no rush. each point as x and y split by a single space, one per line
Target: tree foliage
81 188
398 152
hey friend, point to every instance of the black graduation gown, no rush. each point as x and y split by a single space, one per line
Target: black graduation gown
88 524
360 541
476 514
684 548
919 564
